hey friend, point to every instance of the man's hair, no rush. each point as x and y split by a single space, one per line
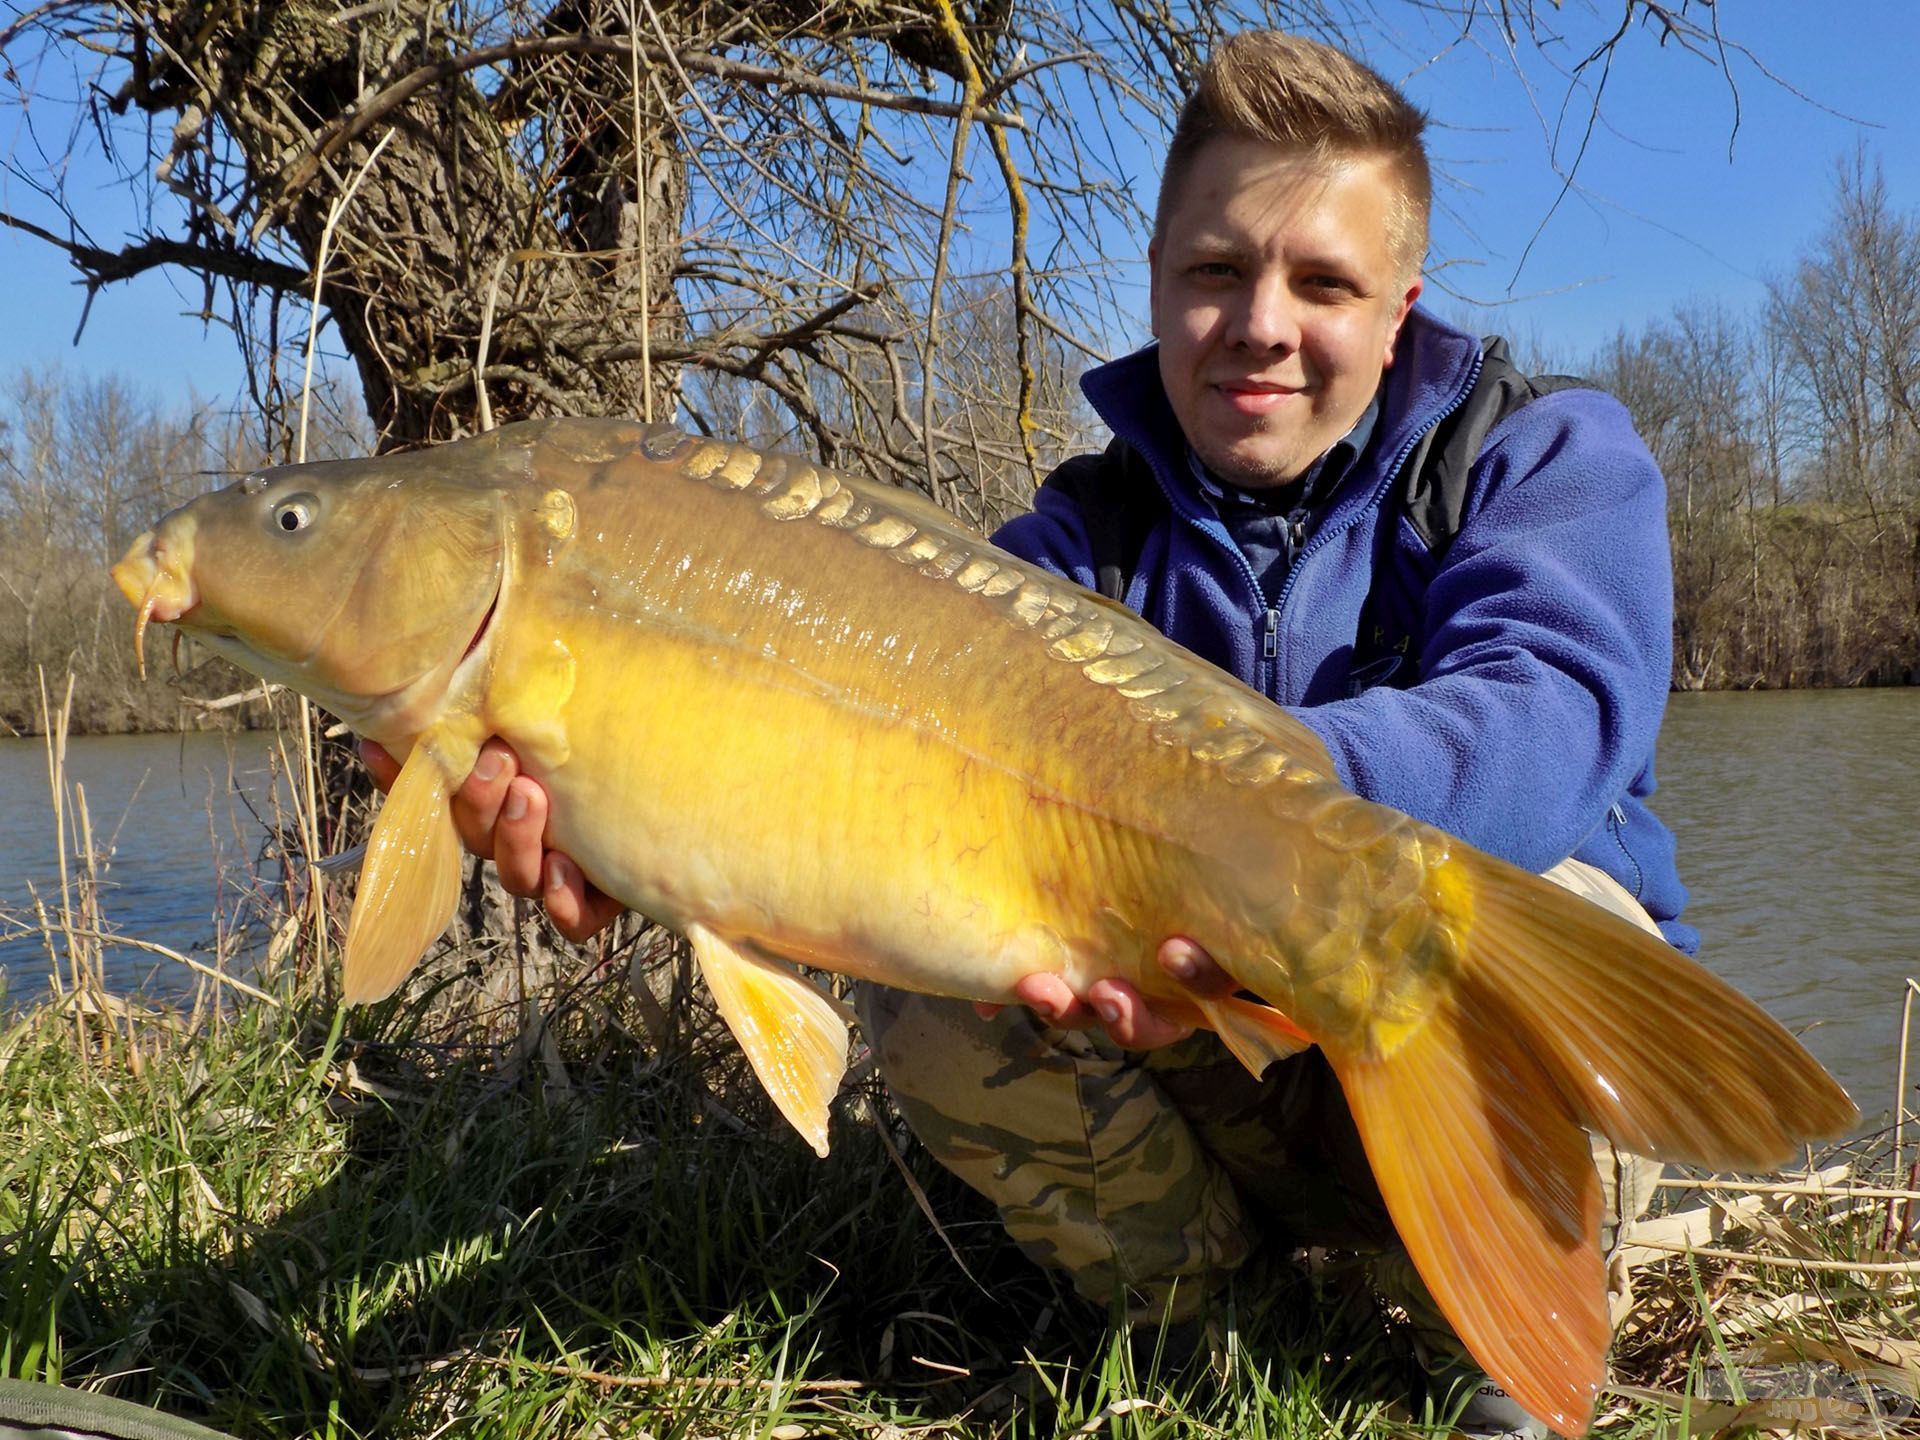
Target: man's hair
1301 95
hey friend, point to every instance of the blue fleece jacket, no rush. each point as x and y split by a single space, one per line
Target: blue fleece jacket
1508 690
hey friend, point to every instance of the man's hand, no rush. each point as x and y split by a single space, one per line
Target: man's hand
1126 1013
502 816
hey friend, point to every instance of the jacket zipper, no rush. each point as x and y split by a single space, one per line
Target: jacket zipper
1270 639
1617 823
1392 474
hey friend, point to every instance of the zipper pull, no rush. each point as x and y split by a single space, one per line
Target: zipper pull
1271 649
1297 531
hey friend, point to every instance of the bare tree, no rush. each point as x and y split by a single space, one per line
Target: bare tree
1847 324
544 206
1792 459
1688 382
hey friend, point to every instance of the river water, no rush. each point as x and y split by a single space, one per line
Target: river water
177 829
1796 814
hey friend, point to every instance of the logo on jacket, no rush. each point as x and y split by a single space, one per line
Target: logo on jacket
1389 663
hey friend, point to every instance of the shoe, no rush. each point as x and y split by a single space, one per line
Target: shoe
1480 1409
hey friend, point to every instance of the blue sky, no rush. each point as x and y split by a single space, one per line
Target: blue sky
1662 214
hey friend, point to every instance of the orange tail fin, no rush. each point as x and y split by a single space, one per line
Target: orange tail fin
1562 1015
1491 1185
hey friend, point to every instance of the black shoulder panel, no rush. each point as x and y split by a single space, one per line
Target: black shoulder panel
1119 501
1434 486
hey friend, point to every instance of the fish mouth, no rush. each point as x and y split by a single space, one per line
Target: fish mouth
154 575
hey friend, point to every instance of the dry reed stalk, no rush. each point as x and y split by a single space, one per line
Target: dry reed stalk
1912 988
56 745
308 813
1814 1188
83 978
92 956
75 929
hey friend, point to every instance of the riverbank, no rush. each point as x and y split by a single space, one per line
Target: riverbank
212 697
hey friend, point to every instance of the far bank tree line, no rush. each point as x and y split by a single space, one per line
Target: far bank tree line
1790 440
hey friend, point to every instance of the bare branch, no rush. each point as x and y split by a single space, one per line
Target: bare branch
104 267
358 120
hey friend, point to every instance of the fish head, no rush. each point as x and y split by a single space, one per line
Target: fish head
361 583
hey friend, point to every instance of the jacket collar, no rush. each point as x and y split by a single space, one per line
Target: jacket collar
1433 369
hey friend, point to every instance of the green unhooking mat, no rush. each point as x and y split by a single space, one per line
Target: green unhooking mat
57 1413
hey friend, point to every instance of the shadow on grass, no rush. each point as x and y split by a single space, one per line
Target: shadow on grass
386 1238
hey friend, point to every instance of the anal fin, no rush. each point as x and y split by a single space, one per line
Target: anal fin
409 883
794 1036
1257 1034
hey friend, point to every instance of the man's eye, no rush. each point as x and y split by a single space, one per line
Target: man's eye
1215 270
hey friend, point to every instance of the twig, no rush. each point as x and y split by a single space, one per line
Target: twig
104 267
670 1382
350 127
1786 1262
265 690
949 217
641 214
1825 1192
126 942
920 1197
334 212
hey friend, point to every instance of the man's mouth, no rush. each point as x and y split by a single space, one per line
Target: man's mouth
1256 397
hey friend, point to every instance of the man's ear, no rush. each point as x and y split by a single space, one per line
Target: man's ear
1400 319
1153 288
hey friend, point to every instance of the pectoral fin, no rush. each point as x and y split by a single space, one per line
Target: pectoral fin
408 885
795 1036
1257 1034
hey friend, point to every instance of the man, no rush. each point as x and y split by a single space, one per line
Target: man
1485 648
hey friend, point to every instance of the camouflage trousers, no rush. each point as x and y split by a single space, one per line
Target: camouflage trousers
1147 1176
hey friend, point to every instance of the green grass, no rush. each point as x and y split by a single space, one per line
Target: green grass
240 1230
279 1229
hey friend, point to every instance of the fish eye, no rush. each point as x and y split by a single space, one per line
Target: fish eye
294 513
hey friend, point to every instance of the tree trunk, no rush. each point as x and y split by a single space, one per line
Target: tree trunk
422 230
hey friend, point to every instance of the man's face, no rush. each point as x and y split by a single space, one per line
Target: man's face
1277 299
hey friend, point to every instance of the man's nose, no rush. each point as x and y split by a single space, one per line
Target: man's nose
1268 317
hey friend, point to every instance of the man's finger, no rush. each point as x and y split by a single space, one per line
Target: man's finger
577 909
1129 1019
1052 999
519 837
1194 968
476 804
383 767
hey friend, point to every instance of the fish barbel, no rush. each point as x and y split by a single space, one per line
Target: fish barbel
809 720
